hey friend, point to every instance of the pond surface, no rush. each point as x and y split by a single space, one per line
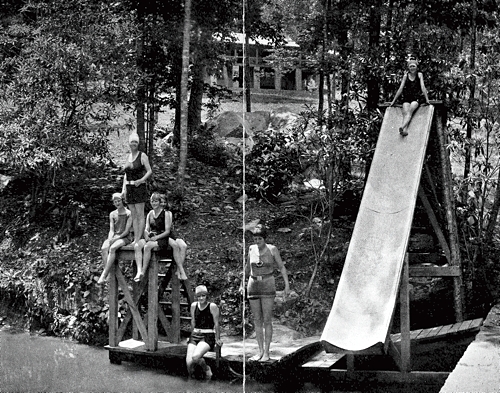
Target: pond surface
33 363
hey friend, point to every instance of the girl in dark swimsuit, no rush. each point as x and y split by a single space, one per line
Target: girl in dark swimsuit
158 233
413 92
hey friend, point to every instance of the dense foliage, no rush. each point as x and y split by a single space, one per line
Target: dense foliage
70 69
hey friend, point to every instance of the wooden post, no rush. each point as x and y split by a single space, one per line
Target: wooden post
135 291
450 216
113 307
404 298
435 224
176 309
152 343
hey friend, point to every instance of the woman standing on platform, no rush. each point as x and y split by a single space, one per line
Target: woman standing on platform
205 331
261 288
137 171
413 93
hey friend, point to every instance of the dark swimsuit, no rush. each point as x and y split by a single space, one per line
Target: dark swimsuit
203 319
135 170
157 226
412 90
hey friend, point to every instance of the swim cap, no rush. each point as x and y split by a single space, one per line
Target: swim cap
133 138
200 289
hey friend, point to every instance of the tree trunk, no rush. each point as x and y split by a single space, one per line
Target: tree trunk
472 92
449 203
183 101
141 91
374 40
196 97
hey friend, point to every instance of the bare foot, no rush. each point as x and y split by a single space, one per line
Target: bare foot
255 358
265 358
101 280
181 274
208 373
138 277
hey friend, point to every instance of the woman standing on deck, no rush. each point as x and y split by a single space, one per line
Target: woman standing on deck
137 171
261 289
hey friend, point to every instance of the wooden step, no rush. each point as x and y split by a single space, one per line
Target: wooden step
323 360
170 303
181 317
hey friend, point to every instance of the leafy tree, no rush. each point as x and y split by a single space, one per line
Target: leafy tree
70 81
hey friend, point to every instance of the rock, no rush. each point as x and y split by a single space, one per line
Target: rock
230 124
282 118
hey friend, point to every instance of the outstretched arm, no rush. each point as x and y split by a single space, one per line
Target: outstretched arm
422 86
400 90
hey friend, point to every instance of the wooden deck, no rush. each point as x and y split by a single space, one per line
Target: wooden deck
305 355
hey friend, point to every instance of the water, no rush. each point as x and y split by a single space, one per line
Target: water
30 363
33 363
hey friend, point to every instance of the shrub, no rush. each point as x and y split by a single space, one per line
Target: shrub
273 162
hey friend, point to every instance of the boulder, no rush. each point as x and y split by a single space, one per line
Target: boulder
282 118
230 124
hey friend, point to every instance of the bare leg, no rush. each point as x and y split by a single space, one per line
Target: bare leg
267 312
256 306
178 258
147 254
138 220
189 359
201 349
105 251
138 258
111 259
408 110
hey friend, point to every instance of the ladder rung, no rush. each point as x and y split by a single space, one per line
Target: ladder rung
170 303
181 317
165 260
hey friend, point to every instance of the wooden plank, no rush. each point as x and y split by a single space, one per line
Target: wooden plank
435 224
423 334
113 307
476 323
414 333
396 337
405 317
152 340
176 312
167 326
464 326
323 360
454 328
133 308
434 331
434 271
445 329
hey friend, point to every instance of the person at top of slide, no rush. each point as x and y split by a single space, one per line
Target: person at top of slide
413 93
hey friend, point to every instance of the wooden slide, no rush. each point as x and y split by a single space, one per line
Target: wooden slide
364 303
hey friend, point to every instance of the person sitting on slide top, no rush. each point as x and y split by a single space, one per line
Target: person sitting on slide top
158 233
120 223
205 332
413 92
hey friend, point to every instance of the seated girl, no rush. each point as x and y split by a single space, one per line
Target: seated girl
158 233
120 223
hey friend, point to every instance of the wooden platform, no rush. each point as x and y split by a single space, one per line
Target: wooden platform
324 360
304 355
